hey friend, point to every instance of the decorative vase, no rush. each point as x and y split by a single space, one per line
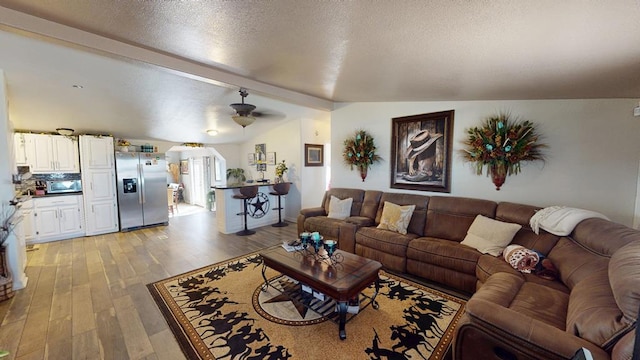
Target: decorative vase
279 180
363 172
498 173
124 148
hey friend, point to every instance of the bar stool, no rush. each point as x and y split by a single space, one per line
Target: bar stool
246 193
279 190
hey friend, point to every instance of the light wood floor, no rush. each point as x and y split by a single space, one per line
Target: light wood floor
87 298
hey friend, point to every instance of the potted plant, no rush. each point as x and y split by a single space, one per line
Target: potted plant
237 174
281 168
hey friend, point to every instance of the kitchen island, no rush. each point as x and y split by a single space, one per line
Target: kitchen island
261 209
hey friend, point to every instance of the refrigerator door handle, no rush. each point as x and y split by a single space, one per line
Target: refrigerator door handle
142 186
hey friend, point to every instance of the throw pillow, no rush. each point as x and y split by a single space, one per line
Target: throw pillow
395 217
490 236
339 209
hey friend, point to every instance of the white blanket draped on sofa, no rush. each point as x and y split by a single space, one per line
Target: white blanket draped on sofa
560 220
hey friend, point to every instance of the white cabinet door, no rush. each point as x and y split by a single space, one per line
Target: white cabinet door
99 185
97 152
20 146
28 225
70 219
47 221
65 152
39 153
102 218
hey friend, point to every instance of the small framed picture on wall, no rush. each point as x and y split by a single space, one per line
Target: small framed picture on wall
251 158
313 155
184 167
271 158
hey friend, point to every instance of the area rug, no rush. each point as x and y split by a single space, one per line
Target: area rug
222 312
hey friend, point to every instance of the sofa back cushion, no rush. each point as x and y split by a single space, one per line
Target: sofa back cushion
416 225
520 214
600 263
450 217
356 194
370 204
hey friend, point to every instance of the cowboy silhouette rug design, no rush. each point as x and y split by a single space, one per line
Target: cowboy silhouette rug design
221 312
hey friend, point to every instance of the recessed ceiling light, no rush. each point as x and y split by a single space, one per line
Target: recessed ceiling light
212 132
77 86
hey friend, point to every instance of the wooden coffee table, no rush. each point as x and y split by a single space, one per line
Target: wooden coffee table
341 282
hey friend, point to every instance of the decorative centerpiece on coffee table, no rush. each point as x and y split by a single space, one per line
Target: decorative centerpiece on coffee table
312 245
501 143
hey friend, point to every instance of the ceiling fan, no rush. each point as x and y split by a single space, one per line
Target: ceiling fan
245 114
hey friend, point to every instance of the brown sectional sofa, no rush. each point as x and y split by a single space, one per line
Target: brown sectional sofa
510 315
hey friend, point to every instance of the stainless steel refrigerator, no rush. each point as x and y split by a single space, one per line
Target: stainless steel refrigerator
142 189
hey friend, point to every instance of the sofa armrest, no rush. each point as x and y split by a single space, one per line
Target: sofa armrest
504 331
347 240
307 213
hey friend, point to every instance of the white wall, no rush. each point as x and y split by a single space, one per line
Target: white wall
592 160
315 178
15 248
287 141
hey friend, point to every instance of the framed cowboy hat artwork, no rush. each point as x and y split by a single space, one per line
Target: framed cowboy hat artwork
421 151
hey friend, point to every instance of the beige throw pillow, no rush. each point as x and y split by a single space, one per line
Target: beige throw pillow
395 217
339 209
490 236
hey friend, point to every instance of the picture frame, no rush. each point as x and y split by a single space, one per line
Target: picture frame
261 153
251 158
261 167
271 158
313 155
184 167
421 150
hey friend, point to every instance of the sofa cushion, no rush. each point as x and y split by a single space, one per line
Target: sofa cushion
444 253
395 217
360 221
339 209
419 217
341 193
450 217
593 313
384 240
490 236
328 227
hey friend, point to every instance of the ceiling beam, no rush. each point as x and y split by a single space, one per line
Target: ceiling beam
88 41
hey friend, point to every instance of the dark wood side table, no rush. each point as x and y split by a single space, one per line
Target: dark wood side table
341 282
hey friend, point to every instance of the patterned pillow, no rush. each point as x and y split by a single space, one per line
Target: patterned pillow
339 209
530 261
395 217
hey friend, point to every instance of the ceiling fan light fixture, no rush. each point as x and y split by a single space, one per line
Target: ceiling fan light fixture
212 132
243 121
243 115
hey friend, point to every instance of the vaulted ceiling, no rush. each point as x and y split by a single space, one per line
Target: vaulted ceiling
167 70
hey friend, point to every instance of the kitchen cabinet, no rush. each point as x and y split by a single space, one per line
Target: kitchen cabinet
99 184
57 218
28 221
51 153
20 149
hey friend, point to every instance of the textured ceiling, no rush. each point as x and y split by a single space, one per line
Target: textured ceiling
308 52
